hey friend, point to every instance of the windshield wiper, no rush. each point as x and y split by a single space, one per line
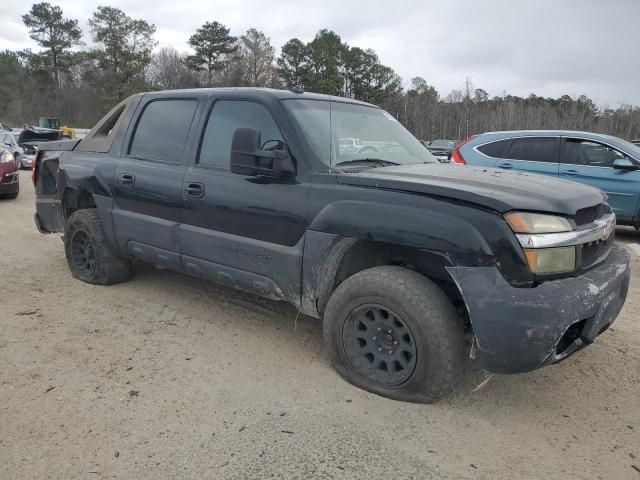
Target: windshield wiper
373 162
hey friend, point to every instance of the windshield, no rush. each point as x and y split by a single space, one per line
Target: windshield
443 144
632 148
342 134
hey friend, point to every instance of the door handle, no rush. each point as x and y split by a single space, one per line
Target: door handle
569 172
506 166
127 180
194 190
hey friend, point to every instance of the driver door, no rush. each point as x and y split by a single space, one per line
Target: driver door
239 230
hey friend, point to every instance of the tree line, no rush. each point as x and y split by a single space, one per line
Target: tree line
79 83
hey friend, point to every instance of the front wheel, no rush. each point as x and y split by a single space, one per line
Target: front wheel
89 256
392 331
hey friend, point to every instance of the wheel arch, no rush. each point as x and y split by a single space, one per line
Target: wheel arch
74 199
346 256
80 198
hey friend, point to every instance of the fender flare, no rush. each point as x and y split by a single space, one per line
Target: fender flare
341 225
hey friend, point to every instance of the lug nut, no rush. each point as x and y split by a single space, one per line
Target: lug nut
379 349
389 331
395 342
390 352
379 329
374 338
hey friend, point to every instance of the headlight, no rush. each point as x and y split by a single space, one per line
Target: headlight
551 260
524 222
541 237
6 157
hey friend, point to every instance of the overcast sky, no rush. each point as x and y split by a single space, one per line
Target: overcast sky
551 48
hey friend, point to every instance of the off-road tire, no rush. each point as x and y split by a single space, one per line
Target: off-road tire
423 307
85 227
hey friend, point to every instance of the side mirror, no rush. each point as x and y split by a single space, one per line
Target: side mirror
624 164
248 159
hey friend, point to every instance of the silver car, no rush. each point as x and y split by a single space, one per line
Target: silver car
9 140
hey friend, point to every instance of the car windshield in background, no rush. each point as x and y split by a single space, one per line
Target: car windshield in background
449 144
633 148
350 135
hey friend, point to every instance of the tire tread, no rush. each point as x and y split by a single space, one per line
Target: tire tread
110 268
428 304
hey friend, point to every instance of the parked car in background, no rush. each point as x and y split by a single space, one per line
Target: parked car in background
603 161
636 142
349 145
25 145
441 149
9 186
9 140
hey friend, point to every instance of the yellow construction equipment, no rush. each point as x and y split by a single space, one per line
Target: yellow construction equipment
54 124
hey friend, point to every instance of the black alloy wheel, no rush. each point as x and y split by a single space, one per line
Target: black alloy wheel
379 345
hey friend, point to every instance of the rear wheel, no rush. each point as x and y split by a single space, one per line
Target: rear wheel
89 256
393 332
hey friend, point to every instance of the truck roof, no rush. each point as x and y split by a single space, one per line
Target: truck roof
255 92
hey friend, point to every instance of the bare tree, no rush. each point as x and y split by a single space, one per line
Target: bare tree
259 56
169 70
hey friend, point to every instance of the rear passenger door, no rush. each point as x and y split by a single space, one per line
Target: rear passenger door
245 232
148 180
591 162
532 154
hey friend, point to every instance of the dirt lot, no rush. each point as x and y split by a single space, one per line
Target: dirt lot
167 377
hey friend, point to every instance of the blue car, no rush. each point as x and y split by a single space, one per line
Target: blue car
608 163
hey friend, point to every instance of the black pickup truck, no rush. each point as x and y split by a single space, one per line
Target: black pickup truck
411 264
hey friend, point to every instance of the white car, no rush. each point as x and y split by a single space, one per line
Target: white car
9 140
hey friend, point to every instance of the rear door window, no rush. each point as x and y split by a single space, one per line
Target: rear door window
534 149
497 149
162 130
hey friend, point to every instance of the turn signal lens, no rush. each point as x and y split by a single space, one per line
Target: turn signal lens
551 260
524 222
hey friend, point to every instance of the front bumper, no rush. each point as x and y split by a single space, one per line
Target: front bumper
9 182
520 329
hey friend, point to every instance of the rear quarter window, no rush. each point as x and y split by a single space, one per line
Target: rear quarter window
497 149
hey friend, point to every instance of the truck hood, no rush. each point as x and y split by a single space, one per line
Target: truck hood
491 188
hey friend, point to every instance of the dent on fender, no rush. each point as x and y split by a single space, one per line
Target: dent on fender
87 175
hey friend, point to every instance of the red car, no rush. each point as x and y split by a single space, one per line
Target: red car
9 185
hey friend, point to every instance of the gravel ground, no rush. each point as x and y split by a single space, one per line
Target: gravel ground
168 377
